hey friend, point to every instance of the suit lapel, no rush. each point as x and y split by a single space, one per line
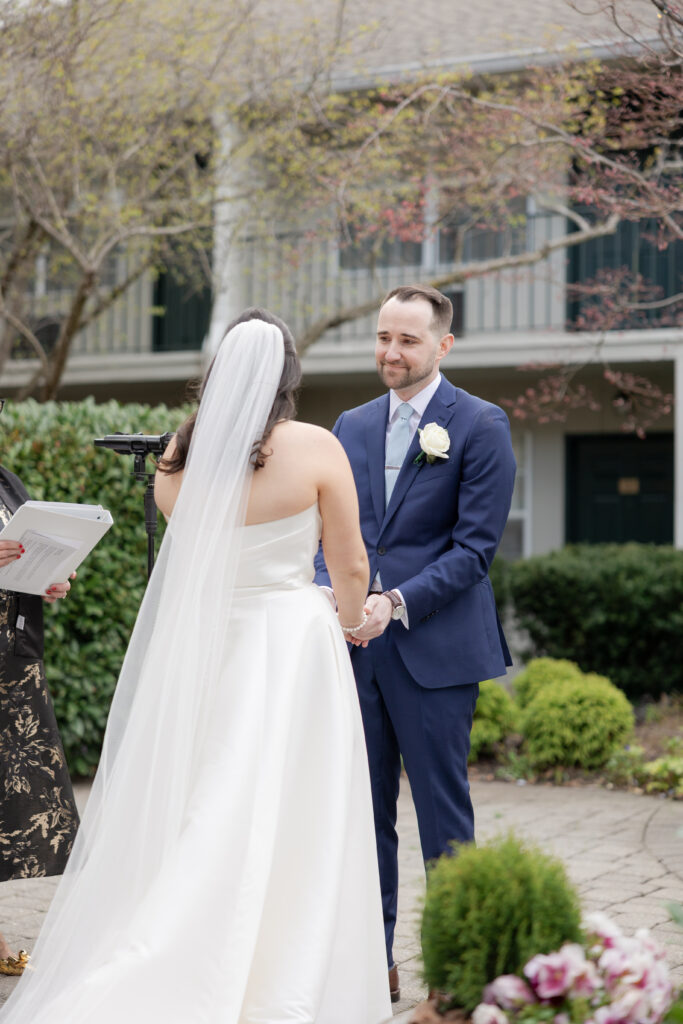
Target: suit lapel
375 446
440 410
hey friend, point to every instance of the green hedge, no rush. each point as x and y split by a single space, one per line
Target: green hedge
614 609
50 447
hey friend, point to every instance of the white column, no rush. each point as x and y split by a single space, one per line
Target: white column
430 245
678 449
225 262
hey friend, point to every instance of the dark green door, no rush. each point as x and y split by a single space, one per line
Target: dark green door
186 314
620 488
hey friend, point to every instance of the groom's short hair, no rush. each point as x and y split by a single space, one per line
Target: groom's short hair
442 308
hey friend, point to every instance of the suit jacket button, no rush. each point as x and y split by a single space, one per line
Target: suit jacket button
381 551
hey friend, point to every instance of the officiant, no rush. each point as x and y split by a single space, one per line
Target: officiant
38 816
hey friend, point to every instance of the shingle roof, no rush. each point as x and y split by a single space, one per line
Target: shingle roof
411 33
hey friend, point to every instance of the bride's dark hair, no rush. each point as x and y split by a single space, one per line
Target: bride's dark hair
283 408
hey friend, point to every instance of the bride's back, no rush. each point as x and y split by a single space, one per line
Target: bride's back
306 464
294 474
303 464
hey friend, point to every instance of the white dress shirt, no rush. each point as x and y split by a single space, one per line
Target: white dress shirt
419 403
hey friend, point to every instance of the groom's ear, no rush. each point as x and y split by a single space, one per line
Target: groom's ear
445 345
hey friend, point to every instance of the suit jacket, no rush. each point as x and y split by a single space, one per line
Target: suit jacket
28 641
438 537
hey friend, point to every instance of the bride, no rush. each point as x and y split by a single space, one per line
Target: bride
225 871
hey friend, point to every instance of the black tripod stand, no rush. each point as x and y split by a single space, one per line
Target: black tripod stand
140 446
151 516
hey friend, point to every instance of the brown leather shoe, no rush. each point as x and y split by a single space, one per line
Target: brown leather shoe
394 987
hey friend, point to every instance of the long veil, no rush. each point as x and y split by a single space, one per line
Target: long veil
140 808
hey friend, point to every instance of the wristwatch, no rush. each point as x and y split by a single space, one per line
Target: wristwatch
397 605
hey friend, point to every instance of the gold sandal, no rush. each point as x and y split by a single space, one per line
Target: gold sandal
14 966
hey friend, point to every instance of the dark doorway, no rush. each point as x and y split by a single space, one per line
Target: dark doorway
620 488
187 312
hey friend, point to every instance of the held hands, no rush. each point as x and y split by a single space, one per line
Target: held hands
58 590
378 609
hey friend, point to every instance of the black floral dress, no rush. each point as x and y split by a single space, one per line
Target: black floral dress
38 816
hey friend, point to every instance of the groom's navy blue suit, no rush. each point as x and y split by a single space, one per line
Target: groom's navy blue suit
435 543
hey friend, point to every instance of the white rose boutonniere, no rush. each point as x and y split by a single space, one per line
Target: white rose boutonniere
434 442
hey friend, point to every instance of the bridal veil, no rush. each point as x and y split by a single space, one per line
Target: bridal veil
137 814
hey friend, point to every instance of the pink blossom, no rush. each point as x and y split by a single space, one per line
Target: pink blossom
646 940
613 1013
646 1003
604 929
550 975
584 980
508 991
626 964
631 1007
487 1013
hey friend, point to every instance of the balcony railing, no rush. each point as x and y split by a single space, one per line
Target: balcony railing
304 280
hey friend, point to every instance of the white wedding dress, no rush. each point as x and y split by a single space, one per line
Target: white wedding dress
241 885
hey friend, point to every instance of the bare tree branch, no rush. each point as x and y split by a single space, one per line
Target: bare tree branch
461 273
670 300
27 334
115 293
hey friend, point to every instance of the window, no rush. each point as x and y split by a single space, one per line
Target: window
633 250
484 242
365 252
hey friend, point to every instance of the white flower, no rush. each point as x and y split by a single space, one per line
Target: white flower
434 441
486 1013
508 991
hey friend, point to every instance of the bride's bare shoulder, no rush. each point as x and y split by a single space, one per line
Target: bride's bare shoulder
296 432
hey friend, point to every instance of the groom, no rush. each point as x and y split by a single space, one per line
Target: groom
433 505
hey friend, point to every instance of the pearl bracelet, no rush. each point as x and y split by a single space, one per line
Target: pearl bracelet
352 629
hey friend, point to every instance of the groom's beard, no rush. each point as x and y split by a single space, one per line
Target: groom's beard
400 377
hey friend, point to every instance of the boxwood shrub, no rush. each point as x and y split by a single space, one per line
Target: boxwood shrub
540 672
614 609
488 910
495 718
576 723
50 446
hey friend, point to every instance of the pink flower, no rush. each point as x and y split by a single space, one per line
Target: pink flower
604 929
625 964
645 1004
508 991
632 1007
487 1013
550 975
653 947
584 977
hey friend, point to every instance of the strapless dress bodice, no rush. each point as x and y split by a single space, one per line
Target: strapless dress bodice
279 554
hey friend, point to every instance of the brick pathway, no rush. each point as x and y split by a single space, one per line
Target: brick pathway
624 852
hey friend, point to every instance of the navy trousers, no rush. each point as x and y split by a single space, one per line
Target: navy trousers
430 728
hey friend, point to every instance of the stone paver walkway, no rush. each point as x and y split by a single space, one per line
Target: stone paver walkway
624 852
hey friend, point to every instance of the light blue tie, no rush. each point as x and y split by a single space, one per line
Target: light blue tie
398 443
